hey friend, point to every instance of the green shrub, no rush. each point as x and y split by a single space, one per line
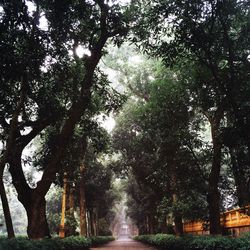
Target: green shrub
208 242
23 243
76 243
99 240
171 242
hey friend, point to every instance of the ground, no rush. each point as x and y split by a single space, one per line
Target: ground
124 243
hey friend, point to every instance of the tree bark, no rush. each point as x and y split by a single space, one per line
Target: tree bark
34 203
83 220
96 222
213 199
151 224
37 222
92 223
63 207
213 196
178 225
6 154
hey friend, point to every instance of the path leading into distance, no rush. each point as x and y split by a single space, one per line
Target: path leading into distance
124 243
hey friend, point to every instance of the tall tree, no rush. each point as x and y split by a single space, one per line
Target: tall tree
54 90
213 34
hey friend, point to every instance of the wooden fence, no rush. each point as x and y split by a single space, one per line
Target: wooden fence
233 222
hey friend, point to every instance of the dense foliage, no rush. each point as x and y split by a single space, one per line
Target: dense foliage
203 89
171 242
100 240
45 84
69 243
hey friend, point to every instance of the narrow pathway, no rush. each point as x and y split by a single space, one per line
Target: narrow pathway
124 243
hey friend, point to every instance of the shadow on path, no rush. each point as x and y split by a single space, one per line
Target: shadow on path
124 243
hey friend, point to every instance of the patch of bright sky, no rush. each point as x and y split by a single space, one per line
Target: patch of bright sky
137 59
107 122
81 51
43 22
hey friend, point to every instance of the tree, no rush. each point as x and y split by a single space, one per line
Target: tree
158 140
213 34
38 59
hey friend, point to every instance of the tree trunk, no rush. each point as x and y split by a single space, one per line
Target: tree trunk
151 224
91 222
6 211
63 207
147 224
96 222
214 209
71 201
178 225
6 154
34 204
213 196
37 222
83 220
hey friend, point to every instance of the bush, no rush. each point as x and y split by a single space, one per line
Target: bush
167 242
75 243
23 243
99 240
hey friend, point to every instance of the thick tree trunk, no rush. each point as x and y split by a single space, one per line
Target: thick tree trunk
151 224
96 222
63 207
37 222
213 196
34 204
147 224
70 215
4 158
178 225
91 222
214 209
83 219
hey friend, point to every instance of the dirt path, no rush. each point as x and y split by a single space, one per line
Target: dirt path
124 244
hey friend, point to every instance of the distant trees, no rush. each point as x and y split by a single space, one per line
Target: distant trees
99 199
158 139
